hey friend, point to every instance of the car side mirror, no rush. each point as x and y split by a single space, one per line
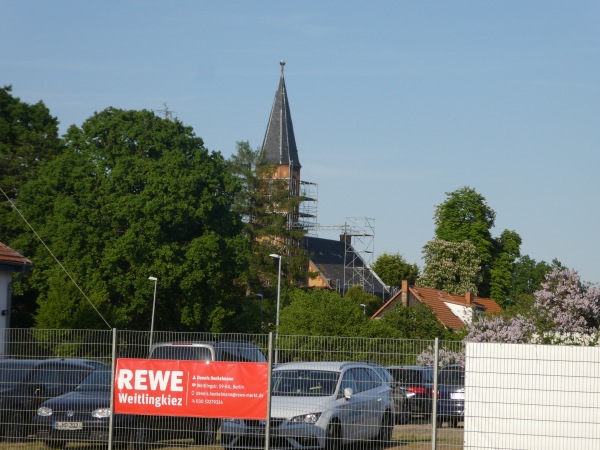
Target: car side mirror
347 393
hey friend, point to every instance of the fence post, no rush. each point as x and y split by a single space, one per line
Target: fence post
434 421
268 421
113 365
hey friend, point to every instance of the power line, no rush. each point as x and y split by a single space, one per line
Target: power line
55 258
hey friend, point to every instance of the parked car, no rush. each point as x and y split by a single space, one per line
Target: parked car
402 404
82 415
232 351
417 381
451 395
318 405
26 383
203 431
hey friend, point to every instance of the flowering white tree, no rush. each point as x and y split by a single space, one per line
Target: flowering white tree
453 267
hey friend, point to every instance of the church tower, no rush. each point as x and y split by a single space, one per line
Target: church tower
280 151
279 145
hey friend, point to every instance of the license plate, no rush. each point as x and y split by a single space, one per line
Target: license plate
68 425
457 395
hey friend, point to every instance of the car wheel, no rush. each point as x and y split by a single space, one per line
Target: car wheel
386 429
454 422
405 415
333 438
55 444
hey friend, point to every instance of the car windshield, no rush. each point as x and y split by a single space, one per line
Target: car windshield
412 376
99 380
182 353
302 383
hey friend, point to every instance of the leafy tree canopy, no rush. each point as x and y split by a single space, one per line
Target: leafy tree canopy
28 139
133 196
266 206
526 278
415 322
321 313
466 216
393 269
358 296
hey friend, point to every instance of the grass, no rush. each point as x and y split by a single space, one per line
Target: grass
415 436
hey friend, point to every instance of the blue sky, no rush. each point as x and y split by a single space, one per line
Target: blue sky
394 103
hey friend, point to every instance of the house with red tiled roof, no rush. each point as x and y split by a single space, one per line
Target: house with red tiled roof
453 311
10 262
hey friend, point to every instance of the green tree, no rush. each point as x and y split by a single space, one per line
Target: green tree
506 252
527 278
28 139
358 296
466 216
410 322
265 204
393 269
133 196
453 267
321 313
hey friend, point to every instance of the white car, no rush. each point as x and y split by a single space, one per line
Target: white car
318 405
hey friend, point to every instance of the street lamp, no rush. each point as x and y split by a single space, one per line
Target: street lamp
364 308
273 255
153 307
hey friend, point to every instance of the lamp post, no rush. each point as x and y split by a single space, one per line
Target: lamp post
273 255
364 308
153 307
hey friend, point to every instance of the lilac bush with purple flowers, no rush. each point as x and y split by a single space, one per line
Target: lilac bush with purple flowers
565 311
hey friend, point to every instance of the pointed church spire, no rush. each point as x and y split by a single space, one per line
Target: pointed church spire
279 144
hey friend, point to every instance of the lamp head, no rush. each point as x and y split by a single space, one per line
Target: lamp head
153 278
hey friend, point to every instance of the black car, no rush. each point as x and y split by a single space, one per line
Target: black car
402 404
417 381
82 415
451 395
27 383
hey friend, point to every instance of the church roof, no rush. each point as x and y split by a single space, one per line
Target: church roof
329 257
279 144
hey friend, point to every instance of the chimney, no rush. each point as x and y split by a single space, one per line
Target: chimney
346 239
404 293
469 297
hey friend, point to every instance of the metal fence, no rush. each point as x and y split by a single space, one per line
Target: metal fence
488 400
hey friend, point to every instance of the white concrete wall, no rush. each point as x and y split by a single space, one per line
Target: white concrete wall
532 397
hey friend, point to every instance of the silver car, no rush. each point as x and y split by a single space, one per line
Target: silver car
318 405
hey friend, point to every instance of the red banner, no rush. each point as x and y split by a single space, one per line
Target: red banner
191 388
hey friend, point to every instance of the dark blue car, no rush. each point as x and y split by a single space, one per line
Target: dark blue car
27 383
82 415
